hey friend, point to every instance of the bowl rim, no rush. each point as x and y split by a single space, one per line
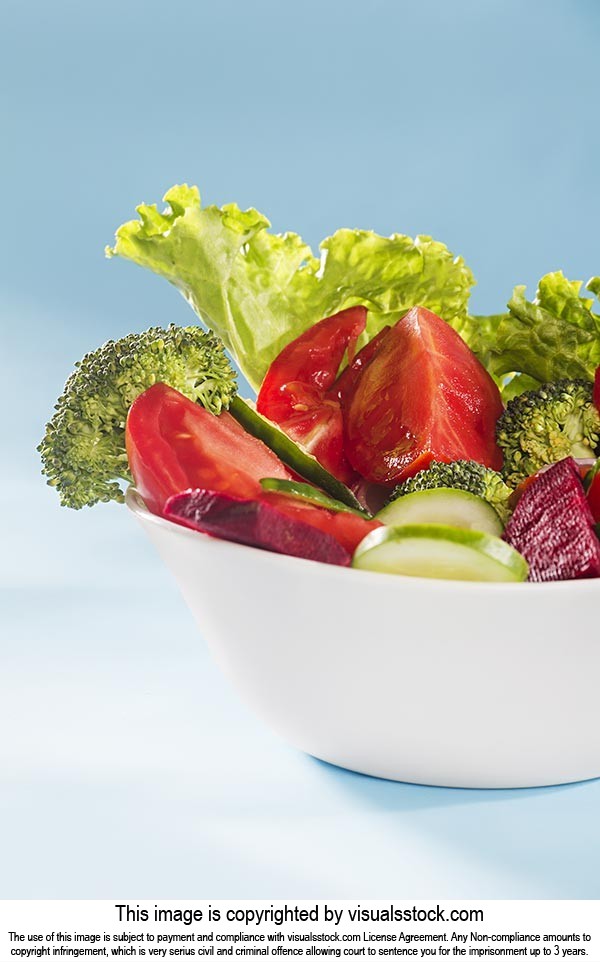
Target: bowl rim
136 505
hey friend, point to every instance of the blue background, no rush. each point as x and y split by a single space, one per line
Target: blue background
127 765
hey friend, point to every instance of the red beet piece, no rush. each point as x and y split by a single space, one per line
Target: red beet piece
552 526
253 523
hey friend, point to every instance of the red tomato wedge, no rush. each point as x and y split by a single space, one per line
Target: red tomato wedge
347 528
298 391
422 395
593 497
275 522
348 379
174 444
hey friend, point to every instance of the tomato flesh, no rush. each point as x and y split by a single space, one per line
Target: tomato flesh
347 528
299 393
422 395
348 379
174 444
593 497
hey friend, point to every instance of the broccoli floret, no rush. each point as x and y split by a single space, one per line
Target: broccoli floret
83 450
545 425
465 475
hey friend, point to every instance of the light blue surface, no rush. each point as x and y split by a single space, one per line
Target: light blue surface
127 765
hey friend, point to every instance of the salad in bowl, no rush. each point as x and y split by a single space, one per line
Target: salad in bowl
363 542
391 430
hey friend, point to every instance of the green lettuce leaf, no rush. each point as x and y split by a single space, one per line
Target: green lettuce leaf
389 275
259 290
555 336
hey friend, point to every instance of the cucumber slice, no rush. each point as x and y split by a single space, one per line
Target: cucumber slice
291 453
440 551
448 506
306 492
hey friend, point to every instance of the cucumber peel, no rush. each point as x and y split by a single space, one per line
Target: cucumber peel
440 551
291 453
308 493
447 506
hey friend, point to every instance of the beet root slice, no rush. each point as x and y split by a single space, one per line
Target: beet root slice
253 523
553 528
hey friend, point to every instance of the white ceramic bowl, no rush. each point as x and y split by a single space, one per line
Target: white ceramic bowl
437 682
